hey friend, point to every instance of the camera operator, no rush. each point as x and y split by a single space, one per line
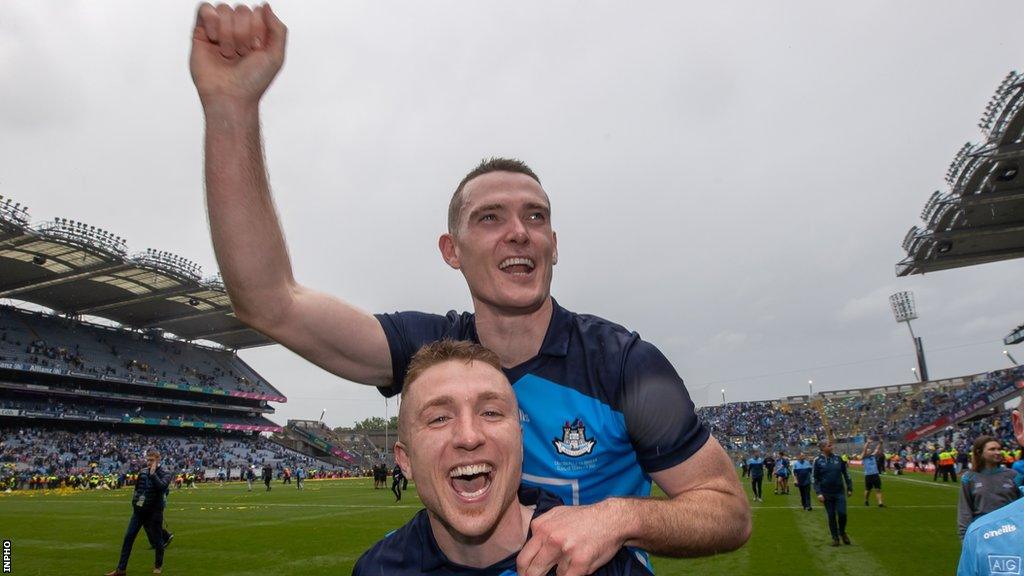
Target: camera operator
148 502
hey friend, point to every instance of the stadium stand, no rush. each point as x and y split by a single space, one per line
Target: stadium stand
120 353
978 219
63 453
314 437
940 411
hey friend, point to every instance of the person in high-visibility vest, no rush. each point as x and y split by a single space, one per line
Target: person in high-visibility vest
946 462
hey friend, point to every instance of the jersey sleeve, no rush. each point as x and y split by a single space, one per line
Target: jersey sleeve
407 332
660 417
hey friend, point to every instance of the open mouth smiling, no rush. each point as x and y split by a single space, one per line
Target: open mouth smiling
517 266
471 481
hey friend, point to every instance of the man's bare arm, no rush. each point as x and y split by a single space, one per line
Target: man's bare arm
704 487
236 53
706 513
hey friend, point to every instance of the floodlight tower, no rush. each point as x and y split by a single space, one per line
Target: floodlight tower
903 310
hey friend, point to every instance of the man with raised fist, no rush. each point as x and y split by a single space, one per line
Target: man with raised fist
603 412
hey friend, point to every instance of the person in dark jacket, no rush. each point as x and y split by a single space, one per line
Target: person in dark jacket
829 475
148 503
268 475
396 480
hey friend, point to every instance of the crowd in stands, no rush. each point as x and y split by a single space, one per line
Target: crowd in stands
101 352
90 409
26 452
888 415
774 425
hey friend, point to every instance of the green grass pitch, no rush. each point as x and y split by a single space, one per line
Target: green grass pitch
322 530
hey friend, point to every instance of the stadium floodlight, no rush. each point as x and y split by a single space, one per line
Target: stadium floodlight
84 236
723 395
810 388
904 310
170 263
1010 357
903 307
13 212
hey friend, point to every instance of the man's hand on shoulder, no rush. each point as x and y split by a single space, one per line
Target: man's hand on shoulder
236 52
577 539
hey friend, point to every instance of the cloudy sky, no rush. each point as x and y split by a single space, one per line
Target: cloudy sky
732 180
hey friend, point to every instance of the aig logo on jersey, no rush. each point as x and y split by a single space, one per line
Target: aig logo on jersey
574 441
1003 565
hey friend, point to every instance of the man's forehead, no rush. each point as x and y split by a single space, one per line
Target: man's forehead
495 185
457 380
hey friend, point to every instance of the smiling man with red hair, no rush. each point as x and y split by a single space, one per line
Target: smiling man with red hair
459 439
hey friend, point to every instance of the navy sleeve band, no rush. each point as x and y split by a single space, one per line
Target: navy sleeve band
662 421
407 332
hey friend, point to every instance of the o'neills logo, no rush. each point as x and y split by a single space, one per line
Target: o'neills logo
1004 529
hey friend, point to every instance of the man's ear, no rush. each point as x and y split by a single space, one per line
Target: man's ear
449 251
554 258
402 459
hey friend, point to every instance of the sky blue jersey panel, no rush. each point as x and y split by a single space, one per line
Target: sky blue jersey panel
575 445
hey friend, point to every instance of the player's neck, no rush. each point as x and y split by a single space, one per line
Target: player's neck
507 538
515 338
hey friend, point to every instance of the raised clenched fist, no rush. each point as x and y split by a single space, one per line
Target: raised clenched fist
236 52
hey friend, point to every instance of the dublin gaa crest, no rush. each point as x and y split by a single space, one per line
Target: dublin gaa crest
574 441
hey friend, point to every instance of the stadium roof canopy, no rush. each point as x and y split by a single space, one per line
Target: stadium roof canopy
980 218
78 269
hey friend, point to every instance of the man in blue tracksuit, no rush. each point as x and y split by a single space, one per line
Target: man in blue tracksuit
829 476
756 466
994 543
802 470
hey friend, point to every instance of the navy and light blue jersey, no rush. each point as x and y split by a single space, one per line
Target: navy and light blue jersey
412 549
600 408
756 466
870 465
994 543
829 475
802 469
782 468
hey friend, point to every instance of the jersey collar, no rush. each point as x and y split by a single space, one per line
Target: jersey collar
432 558
556 340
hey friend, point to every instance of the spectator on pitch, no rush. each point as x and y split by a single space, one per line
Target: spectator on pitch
963 458
872 475
148 501
585 384
268 475
300 477
987 486
994 543
829 476
396 482
250 475
802 470
782 474
769 466
461 441
947 462
756 466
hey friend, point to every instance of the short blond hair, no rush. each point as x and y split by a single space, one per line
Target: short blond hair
442 351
